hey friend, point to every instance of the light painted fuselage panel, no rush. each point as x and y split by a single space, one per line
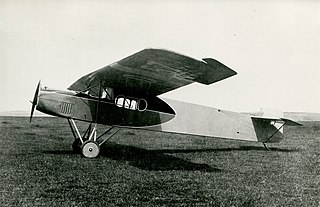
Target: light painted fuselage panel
212 122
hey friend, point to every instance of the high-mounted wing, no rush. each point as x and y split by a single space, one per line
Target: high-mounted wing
154 72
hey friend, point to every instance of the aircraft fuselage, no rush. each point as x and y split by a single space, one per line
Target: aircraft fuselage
159 115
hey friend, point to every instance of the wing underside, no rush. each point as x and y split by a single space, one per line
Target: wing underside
154 72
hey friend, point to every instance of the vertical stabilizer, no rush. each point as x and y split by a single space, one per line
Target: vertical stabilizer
274 114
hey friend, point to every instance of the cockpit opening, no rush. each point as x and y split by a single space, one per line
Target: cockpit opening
104 93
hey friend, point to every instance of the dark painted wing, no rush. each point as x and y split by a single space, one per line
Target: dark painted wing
154 72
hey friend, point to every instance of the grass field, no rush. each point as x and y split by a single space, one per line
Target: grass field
141 168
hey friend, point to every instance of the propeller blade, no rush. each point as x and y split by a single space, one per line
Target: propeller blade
35 100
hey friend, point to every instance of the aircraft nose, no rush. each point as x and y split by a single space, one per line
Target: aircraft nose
35 100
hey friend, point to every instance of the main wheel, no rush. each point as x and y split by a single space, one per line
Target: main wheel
76 146
90 149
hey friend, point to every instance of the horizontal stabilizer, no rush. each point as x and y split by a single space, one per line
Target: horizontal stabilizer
270 129
288 122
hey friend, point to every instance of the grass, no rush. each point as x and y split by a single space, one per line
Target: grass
141 168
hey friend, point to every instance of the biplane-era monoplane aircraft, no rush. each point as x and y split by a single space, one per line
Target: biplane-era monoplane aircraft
126 94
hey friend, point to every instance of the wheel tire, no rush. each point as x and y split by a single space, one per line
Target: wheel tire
76 146
90 149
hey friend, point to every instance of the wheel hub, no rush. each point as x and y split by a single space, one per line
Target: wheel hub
90 149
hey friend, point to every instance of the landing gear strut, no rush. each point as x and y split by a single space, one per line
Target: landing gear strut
89 144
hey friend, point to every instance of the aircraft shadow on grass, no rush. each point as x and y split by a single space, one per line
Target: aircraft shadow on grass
229 149
152 160
158 160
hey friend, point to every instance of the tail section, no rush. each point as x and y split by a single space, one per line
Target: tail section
269 126
200 120
274 114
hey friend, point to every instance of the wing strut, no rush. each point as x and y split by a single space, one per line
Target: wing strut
97 109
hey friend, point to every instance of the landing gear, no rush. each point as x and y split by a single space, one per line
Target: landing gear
90 149
89 144
76 146
265 146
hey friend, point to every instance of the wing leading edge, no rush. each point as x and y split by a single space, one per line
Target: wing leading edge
154 72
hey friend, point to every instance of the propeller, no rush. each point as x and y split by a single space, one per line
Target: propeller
35 100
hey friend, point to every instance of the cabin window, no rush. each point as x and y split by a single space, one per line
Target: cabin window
120 101
131 103
127 103
108 93
104 94
142 104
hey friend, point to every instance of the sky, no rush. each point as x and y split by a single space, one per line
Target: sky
273 45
